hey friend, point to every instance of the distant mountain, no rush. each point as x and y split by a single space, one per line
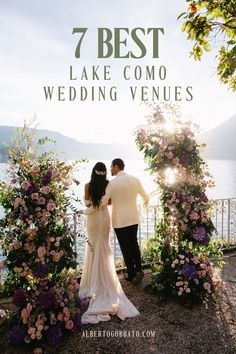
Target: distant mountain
71 147
221 144
221 141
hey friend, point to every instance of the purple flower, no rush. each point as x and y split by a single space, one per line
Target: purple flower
82 303
199 233
69 251
201 236
32 189
185 159
189 271
77 321
42 270
10 236
47 178
24 213
54 335
203 197
183 197
17 334
46 299
19 297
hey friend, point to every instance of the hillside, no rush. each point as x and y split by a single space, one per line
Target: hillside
71 147
221 141
221 144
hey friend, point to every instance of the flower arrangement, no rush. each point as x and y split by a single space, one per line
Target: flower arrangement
183 236
37 242
47 310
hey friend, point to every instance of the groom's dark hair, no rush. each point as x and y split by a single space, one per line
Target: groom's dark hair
119 163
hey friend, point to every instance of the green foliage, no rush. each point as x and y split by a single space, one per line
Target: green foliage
208 21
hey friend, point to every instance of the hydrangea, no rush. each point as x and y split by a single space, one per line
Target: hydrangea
54 334
19 297
17 334
42 270
201 236
189 271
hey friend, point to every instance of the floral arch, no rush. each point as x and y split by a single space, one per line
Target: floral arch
182 243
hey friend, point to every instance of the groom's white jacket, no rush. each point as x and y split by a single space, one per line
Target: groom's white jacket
123 191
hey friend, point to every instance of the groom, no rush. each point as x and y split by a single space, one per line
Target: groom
123 191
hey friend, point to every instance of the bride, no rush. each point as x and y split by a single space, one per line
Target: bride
99 279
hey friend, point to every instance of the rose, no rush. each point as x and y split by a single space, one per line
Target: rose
193 215
17 245
41 251
50 205
18 201
34 196
69 324
38 350
41 201
3 265
207 286
35 170
46 189
25 185
170 155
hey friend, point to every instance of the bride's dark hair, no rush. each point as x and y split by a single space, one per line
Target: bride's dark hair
98 183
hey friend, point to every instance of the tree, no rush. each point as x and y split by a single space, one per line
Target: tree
207 21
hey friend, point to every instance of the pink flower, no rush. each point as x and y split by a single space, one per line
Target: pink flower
195 259
67 184
17 245
170 155
60 317
18 201
55 172
189 147
175 161
38 350
56 257
41 251
34 196
31 330
41 200
207 286
25 185
193 215
70 324
35 170
50 205
46 189
3 265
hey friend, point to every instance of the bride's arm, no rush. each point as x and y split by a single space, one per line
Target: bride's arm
106 199
87 200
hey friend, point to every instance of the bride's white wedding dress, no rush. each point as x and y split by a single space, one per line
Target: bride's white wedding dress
99 278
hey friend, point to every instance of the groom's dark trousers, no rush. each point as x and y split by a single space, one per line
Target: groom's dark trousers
127 237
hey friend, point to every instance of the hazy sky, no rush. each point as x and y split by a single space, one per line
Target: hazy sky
37 48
